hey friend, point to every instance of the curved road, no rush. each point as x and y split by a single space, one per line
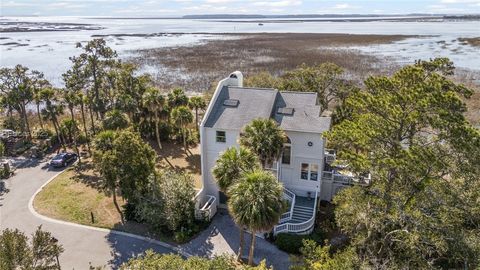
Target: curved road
83 246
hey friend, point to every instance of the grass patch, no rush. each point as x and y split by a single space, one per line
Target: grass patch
68 199
76 194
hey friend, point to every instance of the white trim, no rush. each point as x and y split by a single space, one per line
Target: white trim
66 223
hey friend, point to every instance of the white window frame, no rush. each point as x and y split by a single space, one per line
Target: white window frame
217 136
309 171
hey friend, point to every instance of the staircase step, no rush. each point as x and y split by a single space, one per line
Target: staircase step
303 212
302 207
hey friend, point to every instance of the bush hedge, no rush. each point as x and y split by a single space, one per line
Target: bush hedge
291 243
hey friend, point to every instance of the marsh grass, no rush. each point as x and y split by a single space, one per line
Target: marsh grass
197 67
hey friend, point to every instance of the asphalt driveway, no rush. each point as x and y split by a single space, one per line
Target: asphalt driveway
83 246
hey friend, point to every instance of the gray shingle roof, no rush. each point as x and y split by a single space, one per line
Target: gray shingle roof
253 103
306 116
264 103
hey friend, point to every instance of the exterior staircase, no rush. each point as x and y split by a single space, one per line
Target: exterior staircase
301 213
301 217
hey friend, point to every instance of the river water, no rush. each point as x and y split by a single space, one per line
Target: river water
48 51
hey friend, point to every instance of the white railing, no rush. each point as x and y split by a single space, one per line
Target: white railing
346 179
208 210
299 228
330 156
289 196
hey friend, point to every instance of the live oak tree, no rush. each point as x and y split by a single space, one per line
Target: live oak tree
125 162
326 79
155 261
17 252
421 209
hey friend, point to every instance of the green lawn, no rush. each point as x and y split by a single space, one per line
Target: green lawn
73 196
69 199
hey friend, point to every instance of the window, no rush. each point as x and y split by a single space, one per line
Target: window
221 137
314 172
304 171
309 172
287 152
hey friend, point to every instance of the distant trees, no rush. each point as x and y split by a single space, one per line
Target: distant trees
16 252
154 101
19 86
197 103
94 64
53 109
264 138
421 209
115 120
326 79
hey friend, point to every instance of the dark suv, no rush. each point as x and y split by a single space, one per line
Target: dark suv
63 159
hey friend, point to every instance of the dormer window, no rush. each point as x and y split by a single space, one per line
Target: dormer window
231 103
285 111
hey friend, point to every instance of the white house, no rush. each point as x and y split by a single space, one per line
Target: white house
303 158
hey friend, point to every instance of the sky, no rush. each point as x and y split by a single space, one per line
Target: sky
149 8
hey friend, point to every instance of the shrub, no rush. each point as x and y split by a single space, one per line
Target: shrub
292 243
168 202
11 122
44 133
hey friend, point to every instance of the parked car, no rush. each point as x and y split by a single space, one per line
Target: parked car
63 159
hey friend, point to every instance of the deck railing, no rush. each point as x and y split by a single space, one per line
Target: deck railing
330 156
346 179
299 228
289 196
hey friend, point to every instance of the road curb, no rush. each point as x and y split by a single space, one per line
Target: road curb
139 237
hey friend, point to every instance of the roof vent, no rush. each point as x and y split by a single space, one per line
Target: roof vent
231 103
285 111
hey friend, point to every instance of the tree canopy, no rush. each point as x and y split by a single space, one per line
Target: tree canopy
421 208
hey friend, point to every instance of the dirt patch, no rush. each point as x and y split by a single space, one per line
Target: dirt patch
174 156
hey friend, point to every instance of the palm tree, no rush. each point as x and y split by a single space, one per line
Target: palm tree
232 164
53 108
81 102
197 103
256 203
182 116
154 101
265 138
229 168
71 98
177 98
